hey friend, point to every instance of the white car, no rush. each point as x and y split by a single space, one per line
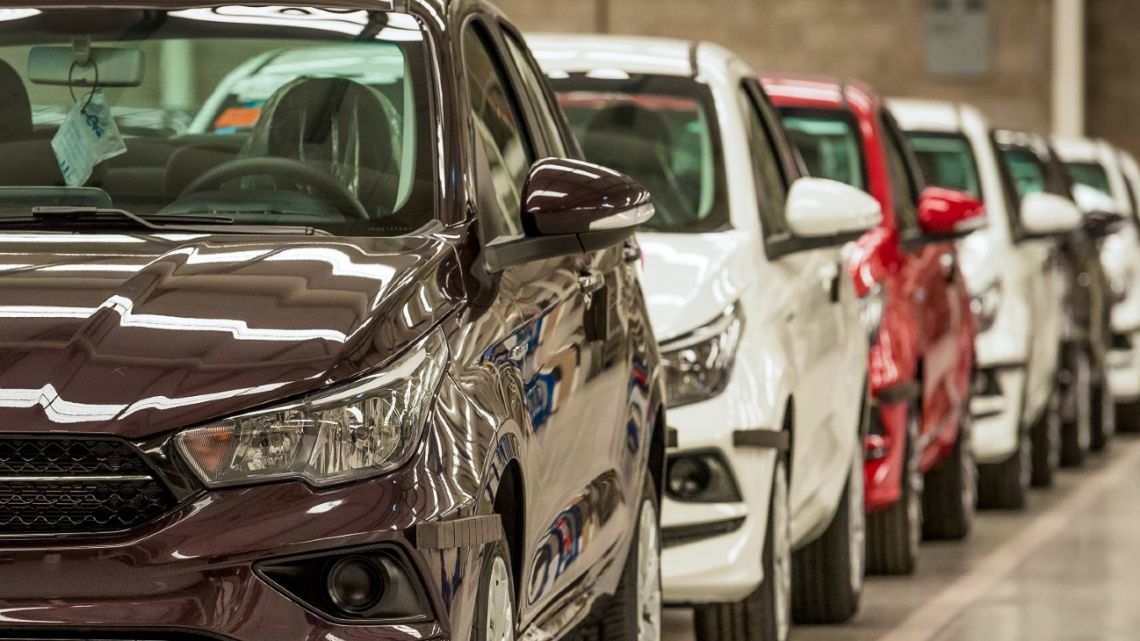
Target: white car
1111 180
1016 289
758 323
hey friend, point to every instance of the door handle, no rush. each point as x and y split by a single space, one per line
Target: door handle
590 282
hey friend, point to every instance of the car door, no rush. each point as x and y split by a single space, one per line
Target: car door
808 286
933 268
572 386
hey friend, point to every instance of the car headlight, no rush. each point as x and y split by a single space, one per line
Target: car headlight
698 364
871 307
985 305
367 427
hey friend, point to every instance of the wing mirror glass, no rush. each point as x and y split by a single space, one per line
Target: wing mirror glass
821 208
948 213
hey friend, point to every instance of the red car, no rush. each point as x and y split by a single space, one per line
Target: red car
920 475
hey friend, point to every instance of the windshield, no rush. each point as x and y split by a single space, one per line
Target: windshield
1090 174
255 115
947 161
827 143
659 130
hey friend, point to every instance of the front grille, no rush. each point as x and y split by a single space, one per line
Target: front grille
76 485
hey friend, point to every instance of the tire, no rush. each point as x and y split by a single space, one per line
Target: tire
496 610
1005 485
764 615
828 573
1045 444
634 611
1076 429
951 497
894 534
1103 418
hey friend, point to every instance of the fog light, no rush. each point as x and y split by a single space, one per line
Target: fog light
355 584
689 477
701 477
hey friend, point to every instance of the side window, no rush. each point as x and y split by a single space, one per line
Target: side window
771 189
536 94
498 125
904 192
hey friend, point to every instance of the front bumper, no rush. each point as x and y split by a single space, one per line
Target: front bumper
1124 367
725 567
194 570
996 410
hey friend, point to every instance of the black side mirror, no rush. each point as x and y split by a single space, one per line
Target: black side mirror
569 207
1099 223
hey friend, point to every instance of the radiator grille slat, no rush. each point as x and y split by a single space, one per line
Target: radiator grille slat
76 485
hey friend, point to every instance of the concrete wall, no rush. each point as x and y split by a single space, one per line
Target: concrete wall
1113 63
879 41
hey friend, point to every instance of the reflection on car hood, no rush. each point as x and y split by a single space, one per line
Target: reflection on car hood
135 335
690 278
976 258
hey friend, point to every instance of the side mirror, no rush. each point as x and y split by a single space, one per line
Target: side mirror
819 209
571 206
1100 223
948 213
1049 215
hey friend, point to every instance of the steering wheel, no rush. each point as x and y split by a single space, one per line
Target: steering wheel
284 168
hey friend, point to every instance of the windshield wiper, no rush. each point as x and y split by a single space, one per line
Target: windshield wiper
52 216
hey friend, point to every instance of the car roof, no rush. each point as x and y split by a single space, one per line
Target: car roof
1079 148
640 55
803 90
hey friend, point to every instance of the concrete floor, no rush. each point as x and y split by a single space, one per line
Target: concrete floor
1068 569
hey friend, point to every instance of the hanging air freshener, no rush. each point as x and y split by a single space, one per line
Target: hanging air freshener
87 137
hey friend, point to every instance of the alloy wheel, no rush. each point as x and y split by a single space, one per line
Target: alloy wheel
781 553
649 575
857 523
500 605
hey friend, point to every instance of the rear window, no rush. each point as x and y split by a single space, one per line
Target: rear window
828 143
661 131
947 160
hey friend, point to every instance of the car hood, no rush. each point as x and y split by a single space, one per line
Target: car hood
138 334
689 279
978 258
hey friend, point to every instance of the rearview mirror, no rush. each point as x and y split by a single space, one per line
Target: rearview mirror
571 206
1048 214
821 208
106 67
948 213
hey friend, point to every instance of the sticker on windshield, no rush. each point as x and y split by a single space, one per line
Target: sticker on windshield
238 118
87 137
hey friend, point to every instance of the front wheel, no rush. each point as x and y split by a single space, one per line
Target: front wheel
827 574
893 534
951 495
495 607
764 615
634 612
1103 418
1045 438
1005 485
1076 431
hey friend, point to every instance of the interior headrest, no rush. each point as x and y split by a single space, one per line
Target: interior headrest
15 107
627 138
328 119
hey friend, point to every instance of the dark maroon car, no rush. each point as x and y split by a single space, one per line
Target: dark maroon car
358 353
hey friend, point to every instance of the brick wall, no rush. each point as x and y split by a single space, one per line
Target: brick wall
879 41
1113 62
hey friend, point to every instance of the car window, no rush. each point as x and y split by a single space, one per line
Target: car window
827 142
771 187
537 95
947 160
904 192
1025 169
270 122
1090 174
496 119
661 131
